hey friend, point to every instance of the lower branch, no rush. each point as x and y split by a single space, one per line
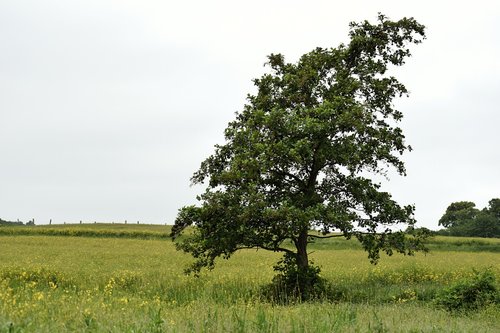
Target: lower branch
329 236
274 249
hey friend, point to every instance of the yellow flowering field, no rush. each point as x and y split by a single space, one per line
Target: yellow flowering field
51 283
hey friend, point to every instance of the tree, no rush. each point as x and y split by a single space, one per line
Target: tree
297 157
484 225
458 213
464 219
494 208
4 222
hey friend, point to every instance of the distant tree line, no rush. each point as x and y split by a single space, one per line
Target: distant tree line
464 219
4 222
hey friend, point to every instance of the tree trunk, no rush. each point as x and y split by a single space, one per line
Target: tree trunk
301 245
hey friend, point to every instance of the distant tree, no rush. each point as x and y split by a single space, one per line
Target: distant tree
484 225
463 219
458 213
412 230
4 222
494 208
298 156
490 227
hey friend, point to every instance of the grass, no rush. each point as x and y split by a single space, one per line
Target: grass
127 284
148 231
102 230
467 244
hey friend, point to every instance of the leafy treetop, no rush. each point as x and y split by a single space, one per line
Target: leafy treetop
298 156
464 219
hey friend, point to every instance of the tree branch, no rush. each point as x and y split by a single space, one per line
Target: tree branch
352 233
274 249
329 236
284 173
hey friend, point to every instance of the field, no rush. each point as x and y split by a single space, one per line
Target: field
129 278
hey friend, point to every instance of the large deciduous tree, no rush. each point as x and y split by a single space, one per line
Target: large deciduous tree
458 213
462 218
299 155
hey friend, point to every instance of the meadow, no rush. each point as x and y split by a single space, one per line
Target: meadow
129 278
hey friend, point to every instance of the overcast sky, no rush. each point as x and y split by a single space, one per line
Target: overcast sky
108 107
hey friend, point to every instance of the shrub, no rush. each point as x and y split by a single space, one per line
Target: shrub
295 284
470 294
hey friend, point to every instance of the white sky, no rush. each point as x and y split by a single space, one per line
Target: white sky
108 107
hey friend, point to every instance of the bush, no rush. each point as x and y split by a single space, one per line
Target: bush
9 223
295 284
470 294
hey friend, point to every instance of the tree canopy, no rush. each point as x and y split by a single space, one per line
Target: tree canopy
4 222
298 156
457 213
464 219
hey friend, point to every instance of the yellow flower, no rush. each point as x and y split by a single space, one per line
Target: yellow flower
38 296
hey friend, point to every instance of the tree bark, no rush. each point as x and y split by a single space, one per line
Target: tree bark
301 245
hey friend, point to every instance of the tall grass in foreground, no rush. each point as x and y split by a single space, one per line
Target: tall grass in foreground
68 284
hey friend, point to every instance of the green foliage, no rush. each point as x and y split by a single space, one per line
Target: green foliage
9 223
296 157
484 225
494 208
294 283
459 218
458 213
470 294
463 219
